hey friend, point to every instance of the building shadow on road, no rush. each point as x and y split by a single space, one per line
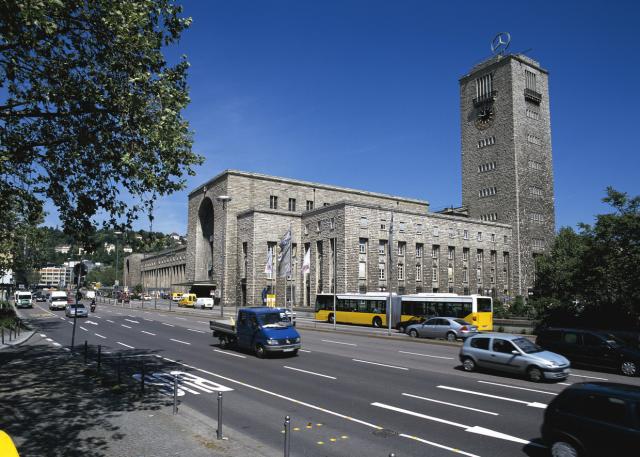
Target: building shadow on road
52 404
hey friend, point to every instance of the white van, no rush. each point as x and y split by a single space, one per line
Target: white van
57 299
23 299
204 303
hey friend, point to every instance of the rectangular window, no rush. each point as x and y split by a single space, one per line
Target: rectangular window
485 167
493 237
306 229
318 226
400 272
382 247
292 204
419 250
450 274
535 165
332 223
465 234
493 276
465 275
484 142
402 227
536 218
309 205
530 80
532 114
537 244
418 272
383 224
434 274
506 239
381 271
362 270
436 231
402 247
479 256
273 202
465 254
493 257
451 254
479 236
535 192
364 222
484 87
487 192
363 245
435 252
452 232
419 229
533 139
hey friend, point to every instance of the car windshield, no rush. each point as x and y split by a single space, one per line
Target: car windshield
526 345
272 319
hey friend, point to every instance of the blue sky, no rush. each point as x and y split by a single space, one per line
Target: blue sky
364 94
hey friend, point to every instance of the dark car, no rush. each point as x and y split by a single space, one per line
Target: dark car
593 419
591 348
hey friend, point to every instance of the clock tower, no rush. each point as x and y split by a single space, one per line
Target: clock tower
507 173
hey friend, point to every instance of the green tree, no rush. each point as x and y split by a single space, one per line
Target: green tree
90 112
105 276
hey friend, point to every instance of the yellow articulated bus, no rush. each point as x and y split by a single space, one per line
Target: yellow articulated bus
371 308
362 309
475 309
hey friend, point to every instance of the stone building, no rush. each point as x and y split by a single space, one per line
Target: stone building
361 241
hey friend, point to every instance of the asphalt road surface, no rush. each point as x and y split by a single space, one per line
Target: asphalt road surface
347 395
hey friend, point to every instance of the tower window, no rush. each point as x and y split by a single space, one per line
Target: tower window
535 165
537 244
484 88
535 192
487 192
292 204
530 80
309 205
485 167
534 139
532 114
484 142
536 217
491 217
273 202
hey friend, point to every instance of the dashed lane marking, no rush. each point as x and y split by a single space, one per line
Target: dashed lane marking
125 345
81 327
450 404
197 331
125 326
304 350
230 353
43 335
533 404
168 325
130 320
100 336
380 364
148 333
588 377
442 446
339 342
427 355
310 372
178 341
519 388
110 321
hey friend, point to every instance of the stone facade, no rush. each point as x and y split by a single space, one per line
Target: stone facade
162 270
507 173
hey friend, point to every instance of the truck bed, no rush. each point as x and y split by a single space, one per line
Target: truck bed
223 326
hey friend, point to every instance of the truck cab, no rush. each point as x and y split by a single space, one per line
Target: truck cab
262 330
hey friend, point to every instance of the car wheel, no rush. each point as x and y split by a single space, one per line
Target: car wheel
629 368
564 449
413 333
260 352
377 322
451 336
468 364
534 374
224 343
330 319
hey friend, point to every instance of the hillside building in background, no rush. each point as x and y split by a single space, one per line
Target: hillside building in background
360 241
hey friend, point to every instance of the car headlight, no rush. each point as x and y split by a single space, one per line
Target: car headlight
551 364
296 340
271 341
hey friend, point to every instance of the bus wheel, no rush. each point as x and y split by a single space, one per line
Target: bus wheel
330 318
377 322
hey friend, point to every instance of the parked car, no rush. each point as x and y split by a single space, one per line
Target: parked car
450 328
512 354
593 419
204 302
402 326
146 297
78 310
591 348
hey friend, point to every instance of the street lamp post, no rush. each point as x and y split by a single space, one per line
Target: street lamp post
223 199
116 282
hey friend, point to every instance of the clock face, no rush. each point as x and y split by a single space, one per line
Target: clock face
485 117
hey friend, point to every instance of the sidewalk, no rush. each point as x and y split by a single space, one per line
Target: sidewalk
51 404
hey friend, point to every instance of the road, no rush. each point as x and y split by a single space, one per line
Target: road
347 394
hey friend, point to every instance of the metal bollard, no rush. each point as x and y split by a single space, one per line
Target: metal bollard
99 357
219 431
287 436
175 394
86 351
142 375
2 335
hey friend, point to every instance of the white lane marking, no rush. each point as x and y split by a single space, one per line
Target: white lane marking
97 317
49 340
91 322
117 312
380 364
56 344
43 335
441 446
519 388
427 355
467 428
129 315
178 341
310 372
69 322
100 336
83 328
588 377
197 331
148 333
230 353
564 383
181 318
125 326
150 320
533 404
168 325
339 342
110 321
129 320
125 345
450 404
293 400
202 322
169 360
303 350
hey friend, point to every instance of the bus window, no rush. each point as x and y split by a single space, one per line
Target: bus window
484 305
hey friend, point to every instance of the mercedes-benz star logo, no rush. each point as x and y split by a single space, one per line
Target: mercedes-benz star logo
500 42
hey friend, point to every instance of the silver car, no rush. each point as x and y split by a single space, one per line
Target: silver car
450 328
78 310
512 354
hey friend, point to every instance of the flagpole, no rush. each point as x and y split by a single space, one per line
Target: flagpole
390 282
290 270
